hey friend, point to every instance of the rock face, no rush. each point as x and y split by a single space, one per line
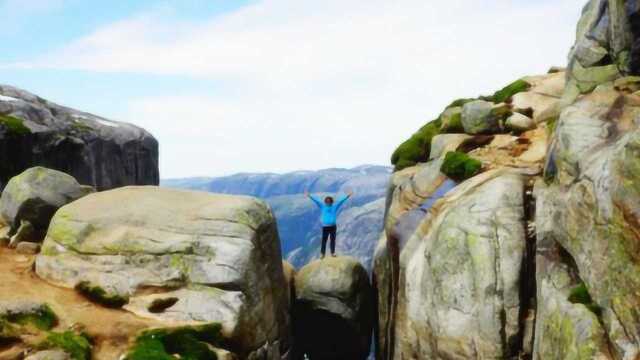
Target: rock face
459 274
96 151
453 269
564 330
333 313
606 46
35 195
592 207
499 268
207 258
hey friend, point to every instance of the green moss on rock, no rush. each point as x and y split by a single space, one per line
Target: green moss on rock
452 120
551 125
77 346
43 318
508 91
189 343
580 295
460 166
100 296
459 102
14 125
417 148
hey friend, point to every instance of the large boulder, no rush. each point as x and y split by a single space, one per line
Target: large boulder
459 274
176 257
333 315
96 151
35 195
443 240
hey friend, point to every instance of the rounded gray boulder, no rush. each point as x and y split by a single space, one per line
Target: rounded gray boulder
333 313
35 195
209 258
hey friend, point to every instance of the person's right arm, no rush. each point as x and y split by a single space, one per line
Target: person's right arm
314 199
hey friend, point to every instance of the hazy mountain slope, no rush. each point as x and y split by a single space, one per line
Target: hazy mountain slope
359 230
298 218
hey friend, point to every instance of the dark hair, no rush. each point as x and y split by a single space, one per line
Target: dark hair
328 199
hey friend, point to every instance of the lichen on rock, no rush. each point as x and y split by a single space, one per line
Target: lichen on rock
217 257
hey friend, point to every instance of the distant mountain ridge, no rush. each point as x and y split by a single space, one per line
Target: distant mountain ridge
265 185
297 217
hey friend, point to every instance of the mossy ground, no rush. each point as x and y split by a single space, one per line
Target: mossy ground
14 125
508 91
76 345
417 148
100 296
452 121
42 318
460 166
189 342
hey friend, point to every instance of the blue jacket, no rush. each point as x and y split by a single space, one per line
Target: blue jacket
329 213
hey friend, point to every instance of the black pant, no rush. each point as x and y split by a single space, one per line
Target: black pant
329 232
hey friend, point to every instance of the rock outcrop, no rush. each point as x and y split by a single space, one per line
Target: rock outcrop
30 199
176 257
498 267
453 269
96 151
333 312
590 207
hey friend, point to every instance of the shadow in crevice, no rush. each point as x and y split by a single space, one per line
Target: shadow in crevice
322 335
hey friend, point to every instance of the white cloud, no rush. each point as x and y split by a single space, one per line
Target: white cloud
311 84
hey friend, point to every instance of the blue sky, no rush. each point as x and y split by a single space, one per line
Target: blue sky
276 85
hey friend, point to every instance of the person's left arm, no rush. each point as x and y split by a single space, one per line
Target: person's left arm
343 200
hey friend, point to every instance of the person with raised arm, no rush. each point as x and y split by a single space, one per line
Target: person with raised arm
329 215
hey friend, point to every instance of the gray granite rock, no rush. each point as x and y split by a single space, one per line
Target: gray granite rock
96 151
333 313
216 258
